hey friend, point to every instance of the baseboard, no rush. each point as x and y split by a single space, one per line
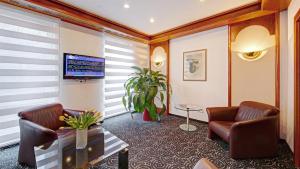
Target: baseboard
190 118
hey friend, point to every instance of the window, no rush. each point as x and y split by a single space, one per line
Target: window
120 56
29 67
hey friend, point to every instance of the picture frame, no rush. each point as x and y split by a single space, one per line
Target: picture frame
195 65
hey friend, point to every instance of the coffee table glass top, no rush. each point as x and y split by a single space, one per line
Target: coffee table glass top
189 107
62 153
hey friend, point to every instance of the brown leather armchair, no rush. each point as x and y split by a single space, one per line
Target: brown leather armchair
251 129
38 126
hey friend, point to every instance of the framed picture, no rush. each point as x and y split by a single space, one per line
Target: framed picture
194 65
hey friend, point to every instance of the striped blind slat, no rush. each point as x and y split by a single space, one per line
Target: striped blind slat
120 56
29 66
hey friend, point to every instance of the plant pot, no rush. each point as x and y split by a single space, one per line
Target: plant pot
81 138
146 116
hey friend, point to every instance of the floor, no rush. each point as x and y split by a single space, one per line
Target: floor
163 145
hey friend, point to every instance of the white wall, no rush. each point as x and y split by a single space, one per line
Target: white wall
212 92
292 10
253 80
74 94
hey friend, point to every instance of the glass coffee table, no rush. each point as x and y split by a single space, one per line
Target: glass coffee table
188 108
62 153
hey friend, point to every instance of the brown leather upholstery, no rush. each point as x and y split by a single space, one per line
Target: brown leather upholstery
250 129
253 110
204 164
47 116
222 128
38 126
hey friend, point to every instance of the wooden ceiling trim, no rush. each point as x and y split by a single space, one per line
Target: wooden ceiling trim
275 5
64 7
83 18
214 21
74 16
258 18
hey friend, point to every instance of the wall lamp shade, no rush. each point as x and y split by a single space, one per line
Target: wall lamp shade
252 42
159 57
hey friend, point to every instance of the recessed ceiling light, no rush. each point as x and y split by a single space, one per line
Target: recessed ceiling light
152 20
126 6
201 0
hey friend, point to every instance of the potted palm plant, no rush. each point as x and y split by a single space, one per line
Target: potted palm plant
144 91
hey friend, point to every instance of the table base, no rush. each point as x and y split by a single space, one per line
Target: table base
189 127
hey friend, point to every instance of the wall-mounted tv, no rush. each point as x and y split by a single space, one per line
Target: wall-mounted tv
83 67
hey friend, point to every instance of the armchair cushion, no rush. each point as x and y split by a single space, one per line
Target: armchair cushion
222 113
221 128
249 110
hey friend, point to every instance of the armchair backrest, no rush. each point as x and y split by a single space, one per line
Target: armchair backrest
47 115
250 110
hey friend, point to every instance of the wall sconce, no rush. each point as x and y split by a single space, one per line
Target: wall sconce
159 57
252 42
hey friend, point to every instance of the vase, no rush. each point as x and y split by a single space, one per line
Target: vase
81 138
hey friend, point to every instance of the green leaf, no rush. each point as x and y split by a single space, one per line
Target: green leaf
124 102
152 111
162 111
142 99
137 68
162 96
129 101
135 103
152 92
163 85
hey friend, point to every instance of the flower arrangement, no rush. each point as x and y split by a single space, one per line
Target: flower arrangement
83 121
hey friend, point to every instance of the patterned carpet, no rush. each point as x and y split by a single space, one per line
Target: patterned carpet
163 145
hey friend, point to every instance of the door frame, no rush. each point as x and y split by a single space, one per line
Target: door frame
297 89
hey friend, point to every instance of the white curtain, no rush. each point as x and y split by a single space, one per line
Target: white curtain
121 55
29 67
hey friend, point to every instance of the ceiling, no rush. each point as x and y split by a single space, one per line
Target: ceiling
166 13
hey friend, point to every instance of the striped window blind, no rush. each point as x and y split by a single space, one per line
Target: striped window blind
120 56
29 67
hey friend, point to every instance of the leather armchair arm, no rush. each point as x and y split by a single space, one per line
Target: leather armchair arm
222 113
249 137
35 133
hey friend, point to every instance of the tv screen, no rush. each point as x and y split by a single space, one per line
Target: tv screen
83 67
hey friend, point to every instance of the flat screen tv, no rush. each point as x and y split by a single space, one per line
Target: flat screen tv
83 67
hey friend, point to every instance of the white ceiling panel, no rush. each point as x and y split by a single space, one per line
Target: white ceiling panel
166 13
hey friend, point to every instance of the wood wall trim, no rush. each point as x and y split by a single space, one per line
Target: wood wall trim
275 5
166 46
237 27
297 89
277 62
229 67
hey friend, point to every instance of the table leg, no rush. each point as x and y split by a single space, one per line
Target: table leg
188 119
123 159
